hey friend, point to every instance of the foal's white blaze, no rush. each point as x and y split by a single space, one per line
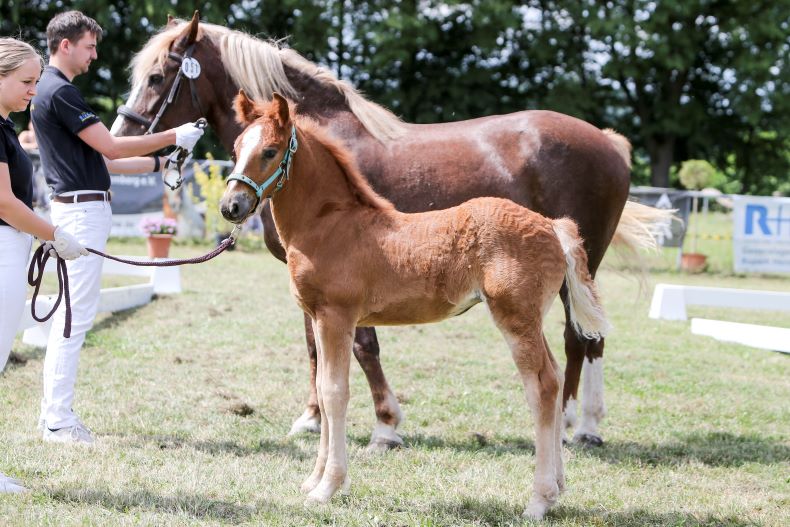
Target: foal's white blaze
593 408
116 125
248 143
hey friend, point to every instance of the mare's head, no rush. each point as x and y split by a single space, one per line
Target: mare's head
263 153
171 80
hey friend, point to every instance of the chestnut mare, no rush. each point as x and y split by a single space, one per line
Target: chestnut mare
552 163
398 268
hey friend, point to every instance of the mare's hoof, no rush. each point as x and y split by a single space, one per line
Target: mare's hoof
381 445
588 440
306 423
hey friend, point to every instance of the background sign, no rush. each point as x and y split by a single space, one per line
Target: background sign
761 234
671 234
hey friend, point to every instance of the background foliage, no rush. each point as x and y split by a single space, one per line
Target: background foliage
705 79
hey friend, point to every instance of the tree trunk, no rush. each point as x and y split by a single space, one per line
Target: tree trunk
661 156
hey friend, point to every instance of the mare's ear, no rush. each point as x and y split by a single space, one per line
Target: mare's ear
193 28
280 104
246 112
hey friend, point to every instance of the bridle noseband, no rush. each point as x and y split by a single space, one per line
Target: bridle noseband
189 69
282 172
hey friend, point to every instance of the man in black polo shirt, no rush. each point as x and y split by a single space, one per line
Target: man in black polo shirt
76 152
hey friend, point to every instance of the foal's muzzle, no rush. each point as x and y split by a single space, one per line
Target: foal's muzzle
236 205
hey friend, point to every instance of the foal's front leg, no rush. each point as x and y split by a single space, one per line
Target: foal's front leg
335 336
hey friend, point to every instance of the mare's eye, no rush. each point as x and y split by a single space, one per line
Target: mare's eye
269 153
155 79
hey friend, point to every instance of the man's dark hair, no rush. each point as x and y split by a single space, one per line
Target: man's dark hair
71 25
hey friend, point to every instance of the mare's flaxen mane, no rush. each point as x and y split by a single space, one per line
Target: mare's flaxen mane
258 67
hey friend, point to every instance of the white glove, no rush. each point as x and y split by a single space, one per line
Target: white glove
187 136
65 245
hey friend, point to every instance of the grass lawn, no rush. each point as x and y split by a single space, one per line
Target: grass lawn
697 432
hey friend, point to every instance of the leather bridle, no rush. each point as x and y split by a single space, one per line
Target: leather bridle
130 114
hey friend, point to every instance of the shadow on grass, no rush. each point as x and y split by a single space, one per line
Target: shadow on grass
25 353
641 517
194 506
283 447
495 513
492 446
114 320
716 449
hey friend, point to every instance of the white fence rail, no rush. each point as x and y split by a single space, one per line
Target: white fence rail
161 281
669 303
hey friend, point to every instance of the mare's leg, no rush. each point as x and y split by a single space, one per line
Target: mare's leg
593 409
388 412
593 406
335 333
310 420
543 386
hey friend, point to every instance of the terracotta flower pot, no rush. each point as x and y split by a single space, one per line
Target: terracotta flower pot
159 245
693 262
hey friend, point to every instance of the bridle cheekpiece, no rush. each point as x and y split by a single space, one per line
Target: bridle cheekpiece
190 68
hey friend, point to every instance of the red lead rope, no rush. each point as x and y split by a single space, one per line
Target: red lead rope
35 275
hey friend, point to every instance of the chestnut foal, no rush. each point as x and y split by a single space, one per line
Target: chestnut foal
354 260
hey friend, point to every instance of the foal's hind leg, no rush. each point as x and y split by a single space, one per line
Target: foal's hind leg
542 384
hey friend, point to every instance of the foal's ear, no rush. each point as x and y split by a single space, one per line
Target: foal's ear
280 104
171 20
246 112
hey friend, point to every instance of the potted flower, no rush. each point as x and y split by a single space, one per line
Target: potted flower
695 174
160 232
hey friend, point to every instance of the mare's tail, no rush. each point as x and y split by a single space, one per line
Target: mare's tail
587 314
640 226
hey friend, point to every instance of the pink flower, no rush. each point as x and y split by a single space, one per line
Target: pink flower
151 225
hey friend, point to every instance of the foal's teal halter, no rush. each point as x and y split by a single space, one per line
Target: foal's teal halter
282 172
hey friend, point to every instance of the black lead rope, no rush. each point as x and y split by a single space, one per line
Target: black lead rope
35 275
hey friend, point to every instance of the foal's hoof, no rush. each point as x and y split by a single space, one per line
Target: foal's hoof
588 440
535 511
307 423
319 496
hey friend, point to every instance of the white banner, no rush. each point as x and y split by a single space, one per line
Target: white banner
761 234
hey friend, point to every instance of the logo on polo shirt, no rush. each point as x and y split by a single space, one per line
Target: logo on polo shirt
84 116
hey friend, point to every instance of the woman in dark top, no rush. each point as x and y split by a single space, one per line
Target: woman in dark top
20 68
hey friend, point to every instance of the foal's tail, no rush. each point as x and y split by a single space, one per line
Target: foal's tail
587 314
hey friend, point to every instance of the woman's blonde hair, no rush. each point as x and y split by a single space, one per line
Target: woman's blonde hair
13 53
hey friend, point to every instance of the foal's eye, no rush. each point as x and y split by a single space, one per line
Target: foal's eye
155 79
269 153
